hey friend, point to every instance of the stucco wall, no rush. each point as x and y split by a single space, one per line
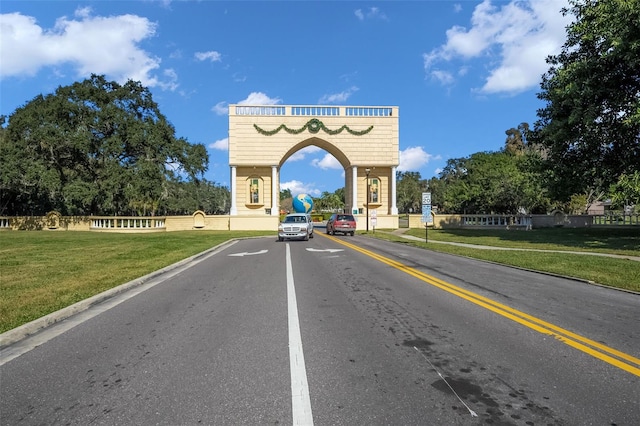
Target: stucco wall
249 147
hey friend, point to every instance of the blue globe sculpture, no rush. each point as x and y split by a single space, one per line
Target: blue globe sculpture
302 203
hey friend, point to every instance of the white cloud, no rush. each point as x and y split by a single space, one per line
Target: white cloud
516 38
414 158
444 77
211 56
327 162
296 187
347 77
259 98
90 44
338 97
301 154
170 82
220 144
239 78
371 13
221 108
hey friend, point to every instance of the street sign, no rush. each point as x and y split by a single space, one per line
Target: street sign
426 214
426 208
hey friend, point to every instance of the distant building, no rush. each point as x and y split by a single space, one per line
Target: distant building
599 207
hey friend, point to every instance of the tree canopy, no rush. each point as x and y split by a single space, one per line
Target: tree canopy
590 125
493 182
626 192
409 188
95 147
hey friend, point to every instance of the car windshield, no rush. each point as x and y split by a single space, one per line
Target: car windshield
295 219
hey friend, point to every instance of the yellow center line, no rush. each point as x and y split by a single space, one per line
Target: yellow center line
597 350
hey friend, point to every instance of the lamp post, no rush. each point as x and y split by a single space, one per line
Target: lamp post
367 171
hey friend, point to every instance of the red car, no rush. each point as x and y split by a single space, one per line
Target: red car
343 223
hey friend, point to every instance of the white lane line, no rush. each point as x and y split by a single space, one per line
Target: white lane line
300 400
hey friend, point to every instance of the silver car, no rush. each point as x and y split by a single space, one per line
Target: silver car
297 226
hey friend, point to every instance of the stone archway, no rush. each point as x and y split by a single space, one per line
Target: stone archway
261 138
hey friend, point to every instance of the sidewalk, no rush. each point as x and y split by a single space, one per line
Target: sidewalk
400 232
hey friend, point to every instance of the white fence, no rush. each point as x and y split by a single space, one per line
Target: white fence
128 223
616 219
501 221
314 110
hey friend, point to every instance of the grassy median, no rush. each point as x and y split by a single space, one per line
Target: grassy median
608 271
41 272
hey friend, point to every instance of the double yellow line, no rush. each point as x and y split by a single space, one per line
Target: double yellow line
597 350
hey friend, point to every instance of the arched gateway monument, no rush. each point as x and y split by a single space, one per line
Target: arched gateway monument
364 139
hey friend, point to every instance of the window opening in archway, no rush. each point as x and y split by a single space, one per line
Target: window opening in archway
374 191
254 190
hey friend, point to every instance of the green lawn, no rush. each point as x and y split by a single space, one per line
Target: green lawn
612 240
619 273
41 272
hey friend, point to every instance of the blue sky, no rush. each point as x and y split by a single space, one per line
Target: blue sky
461 72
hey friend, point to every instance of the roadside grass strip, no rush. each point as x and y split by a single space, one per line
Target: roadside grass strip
597 350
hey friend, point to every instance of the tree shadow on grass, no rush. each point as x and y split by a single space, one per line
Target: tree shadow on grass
626 239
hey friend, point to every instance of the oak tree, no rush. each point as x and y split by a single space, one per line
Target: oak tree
590 125
94 147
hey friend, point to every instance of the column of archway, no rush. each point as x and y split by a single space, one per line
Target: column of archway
394 206
275 211
234 208
354 188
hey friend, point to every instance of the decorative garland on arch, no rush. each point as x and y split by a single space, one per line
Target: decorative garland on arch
314 125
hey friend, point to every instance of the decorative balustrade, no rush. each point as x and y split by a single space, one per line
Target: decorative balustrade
369 111
616 219
502 221
314 110
128 223
5 222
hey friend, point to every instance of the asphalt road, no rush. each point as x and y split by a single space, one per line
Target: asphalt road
368 333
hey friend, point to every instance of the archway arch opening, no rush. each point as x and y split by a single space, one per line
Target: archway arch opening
309 168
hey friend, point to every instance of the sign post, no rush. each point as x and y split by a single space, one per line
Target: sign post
426 214
374 219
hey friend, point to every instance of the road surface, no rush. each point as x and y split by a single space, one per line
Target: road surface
335 331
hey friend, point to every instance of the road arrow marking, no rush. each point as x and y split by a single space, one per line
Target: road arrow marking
329 250
249 254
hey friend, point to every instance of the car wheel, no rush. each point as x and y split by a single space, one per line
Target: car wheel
306 237
352 233
280 238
